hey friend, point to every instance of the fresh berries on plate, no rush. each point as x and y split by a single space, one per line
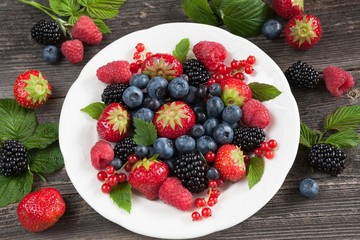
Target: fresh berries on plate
113 93
230 163
124 148
86 31
338 81
272 28
14 158
235 92
288 8
302 75
255 114
73 51
173 193
51 54
248 138
162 64
196 72
101 154
309 188
210 53
40 210
115 72
31 89
47 32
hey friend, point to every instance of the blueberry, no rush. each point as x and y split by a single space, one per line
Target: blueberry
116 163
157 87
185 144
200 117
215 89
272 28
145 114
199 107
214 106
164 147
133 97
223 134
212 174
209 125
205 144
190 98
309 188
50 54
202 92
150 152
178 87
197 130
141 151
170 164
152 103
139 80
231 114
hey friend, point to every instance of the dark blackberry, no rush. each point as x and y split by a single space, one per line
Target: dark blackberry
248 138
196 72
13 158
113 93
302 75
327 158
47 32
124 148
191 169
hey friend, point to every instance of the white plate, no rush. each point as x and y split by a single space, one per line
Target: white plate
154 218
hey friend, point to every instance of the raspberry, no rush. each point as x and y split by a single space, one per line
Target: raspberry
115 72
255 114
101 154
337 80
73 51
211 54
86 31
172 192
14 159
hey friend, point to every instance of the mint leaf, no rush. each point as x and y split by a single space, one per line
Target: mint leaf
344 139
44 135
102 26
94 110
145 132
121 195
199 11
255 171
46 160
16 122
64 7
347 117
102 9
182 49
263 91
308 137
13 189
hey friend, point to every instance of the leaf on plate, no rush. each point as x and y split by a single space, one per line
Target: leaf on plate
255 171
263 92
46 160
345 139
102 9
121 195
145 132
64 7
199 11
44 135
94 110
308 137
182 49
346 117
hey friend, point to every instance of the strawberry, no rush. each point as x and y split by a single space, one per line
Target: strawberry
235 92
147 175
73 51
303 31
288 8
172 192
31 89
86 31
230 162
113 123
162 64
40 210
174 119
211 54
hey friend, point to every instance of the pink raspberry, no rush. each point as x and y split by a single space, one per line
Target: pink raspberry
255 114
86 31
101 154
172 192
211 54
337 80
73 51
115 72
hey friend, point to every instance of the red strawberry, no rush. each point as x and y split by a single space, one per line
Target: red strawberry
235 92
172 192
288 8
86 31
101 154
337 80
162 64
147 175
303 31
73 50
40 210
255 114
113 123
174 119
115 72
230 163
209 53
31 89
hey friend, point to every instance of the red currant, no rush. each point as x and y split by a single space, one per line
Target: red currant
269 154
258 152
139 62
215 193
227 75
106 188
219 182
235 64
148 54
206 212
110 170
132 159
222 68
247 158
272 144
113 180
218 77
210 156
200 202
128 167
212 184
248 69
195 216
137 55
211 81
251 60
140 47
239 75
264 146
101 176
134 68
122 177
212 201
243 63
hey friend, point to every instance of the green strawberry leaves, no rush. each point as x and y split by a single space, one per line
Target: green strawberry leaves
121 195
199 11
263 92
182 49
145 132
94 110
255 171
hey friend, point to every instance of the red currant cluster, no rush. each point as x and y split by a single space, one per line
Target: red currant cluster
267 149
139 57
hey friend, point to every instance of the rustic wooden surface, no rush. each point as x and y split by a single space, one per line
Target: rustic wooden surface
334 214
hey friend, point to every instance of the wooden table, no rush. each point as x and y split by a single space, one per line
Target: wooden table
334 214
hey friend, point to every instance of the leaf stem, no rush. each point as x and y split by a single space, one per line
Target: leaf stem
41 176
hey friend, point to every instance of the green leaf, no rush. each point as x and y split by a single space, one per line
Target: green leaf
64 7
255 171
121 195
46 160
308 137
16 122
263 91
13 189
43 136
102 9
145 132
347 117
182 49
94 110
102 26
199 11
344 139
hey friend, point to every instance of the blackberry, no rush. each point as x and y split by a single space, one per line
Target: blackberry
248 138
124 148
302 75
196 72
13 158
191 169
46 32
113 93
327 158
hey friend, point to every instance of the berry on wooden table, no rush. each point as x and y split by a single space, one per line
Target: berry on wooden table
86 31
337 80
288 8
47 32
302 75
309 188
14 158
73 51
271 29
51 54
